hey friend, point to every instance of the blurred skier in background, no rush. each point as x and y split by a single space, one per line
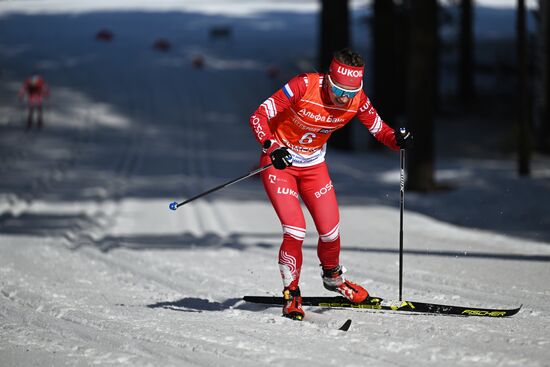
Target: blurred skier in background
293 126
35 89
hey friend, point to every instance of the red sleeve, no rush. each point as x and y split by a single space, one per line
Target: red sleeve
377 127
23 89
282 99
45 90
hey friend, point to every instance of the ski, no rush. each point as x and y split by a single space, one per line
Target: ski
376 303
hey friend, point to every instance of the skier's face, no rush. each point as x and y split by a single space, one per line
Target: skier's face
341 94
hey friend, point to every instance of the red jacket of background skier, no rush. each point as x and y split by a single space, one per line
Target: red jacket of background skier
35 88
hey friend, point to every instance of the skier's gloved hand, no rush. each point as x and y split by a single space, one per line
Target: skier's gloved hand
280 156
403 137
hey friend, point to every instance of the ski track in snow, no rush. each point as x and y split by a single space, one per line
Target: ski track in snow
95 270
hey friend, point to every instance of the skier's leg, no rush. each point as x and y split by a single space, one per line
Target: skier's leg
281 188
319 196
30 112
39 112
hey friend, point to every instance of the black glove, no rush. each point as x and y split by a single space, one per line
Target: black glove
403 138
280 156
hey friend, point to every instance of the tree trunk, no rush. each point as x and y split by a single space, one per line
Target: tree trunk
543 128
384 72
466 86
523 90
401 59
334 37
421 93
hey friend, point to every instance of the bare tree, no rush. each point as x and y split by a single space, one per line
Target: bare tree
384 75
422 93
543 128
523 92
335 36
466 86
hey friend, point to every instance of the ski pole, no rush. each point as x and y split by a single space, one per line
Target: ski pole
175 205
401 208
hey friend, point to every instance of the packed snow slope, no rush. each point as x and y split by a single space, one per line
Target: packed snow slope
96 270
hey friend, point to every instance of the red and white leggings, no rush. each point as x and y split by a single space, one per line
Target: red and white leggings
314 186
34 100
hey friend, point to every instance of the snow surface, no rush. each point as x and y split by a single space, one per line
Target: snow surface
95 270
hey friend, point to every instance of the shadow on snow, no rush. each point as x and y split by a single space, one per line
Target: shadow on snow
242 242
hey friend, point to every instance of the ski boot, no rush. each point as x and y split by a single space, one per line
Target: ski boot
292 307
335 282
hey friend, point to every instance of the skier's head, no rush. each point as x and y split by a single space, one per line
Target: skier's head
35 78
345 76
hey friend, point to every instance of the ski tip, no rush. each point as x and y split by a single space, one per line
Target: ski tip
346 325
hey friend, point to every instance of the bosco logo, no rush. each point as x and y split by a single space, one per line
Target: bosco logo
258 127
323 190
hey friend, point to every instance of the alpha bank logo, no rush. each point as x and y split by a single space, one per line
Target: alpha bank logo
272 179
318 117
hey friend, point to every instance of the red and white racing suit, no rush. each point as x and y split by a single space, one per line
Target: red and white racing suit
302 117
35 89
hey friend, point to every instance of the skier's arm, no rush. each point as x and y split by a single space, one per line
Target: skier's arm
46 91
291 93
377 127
22 91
